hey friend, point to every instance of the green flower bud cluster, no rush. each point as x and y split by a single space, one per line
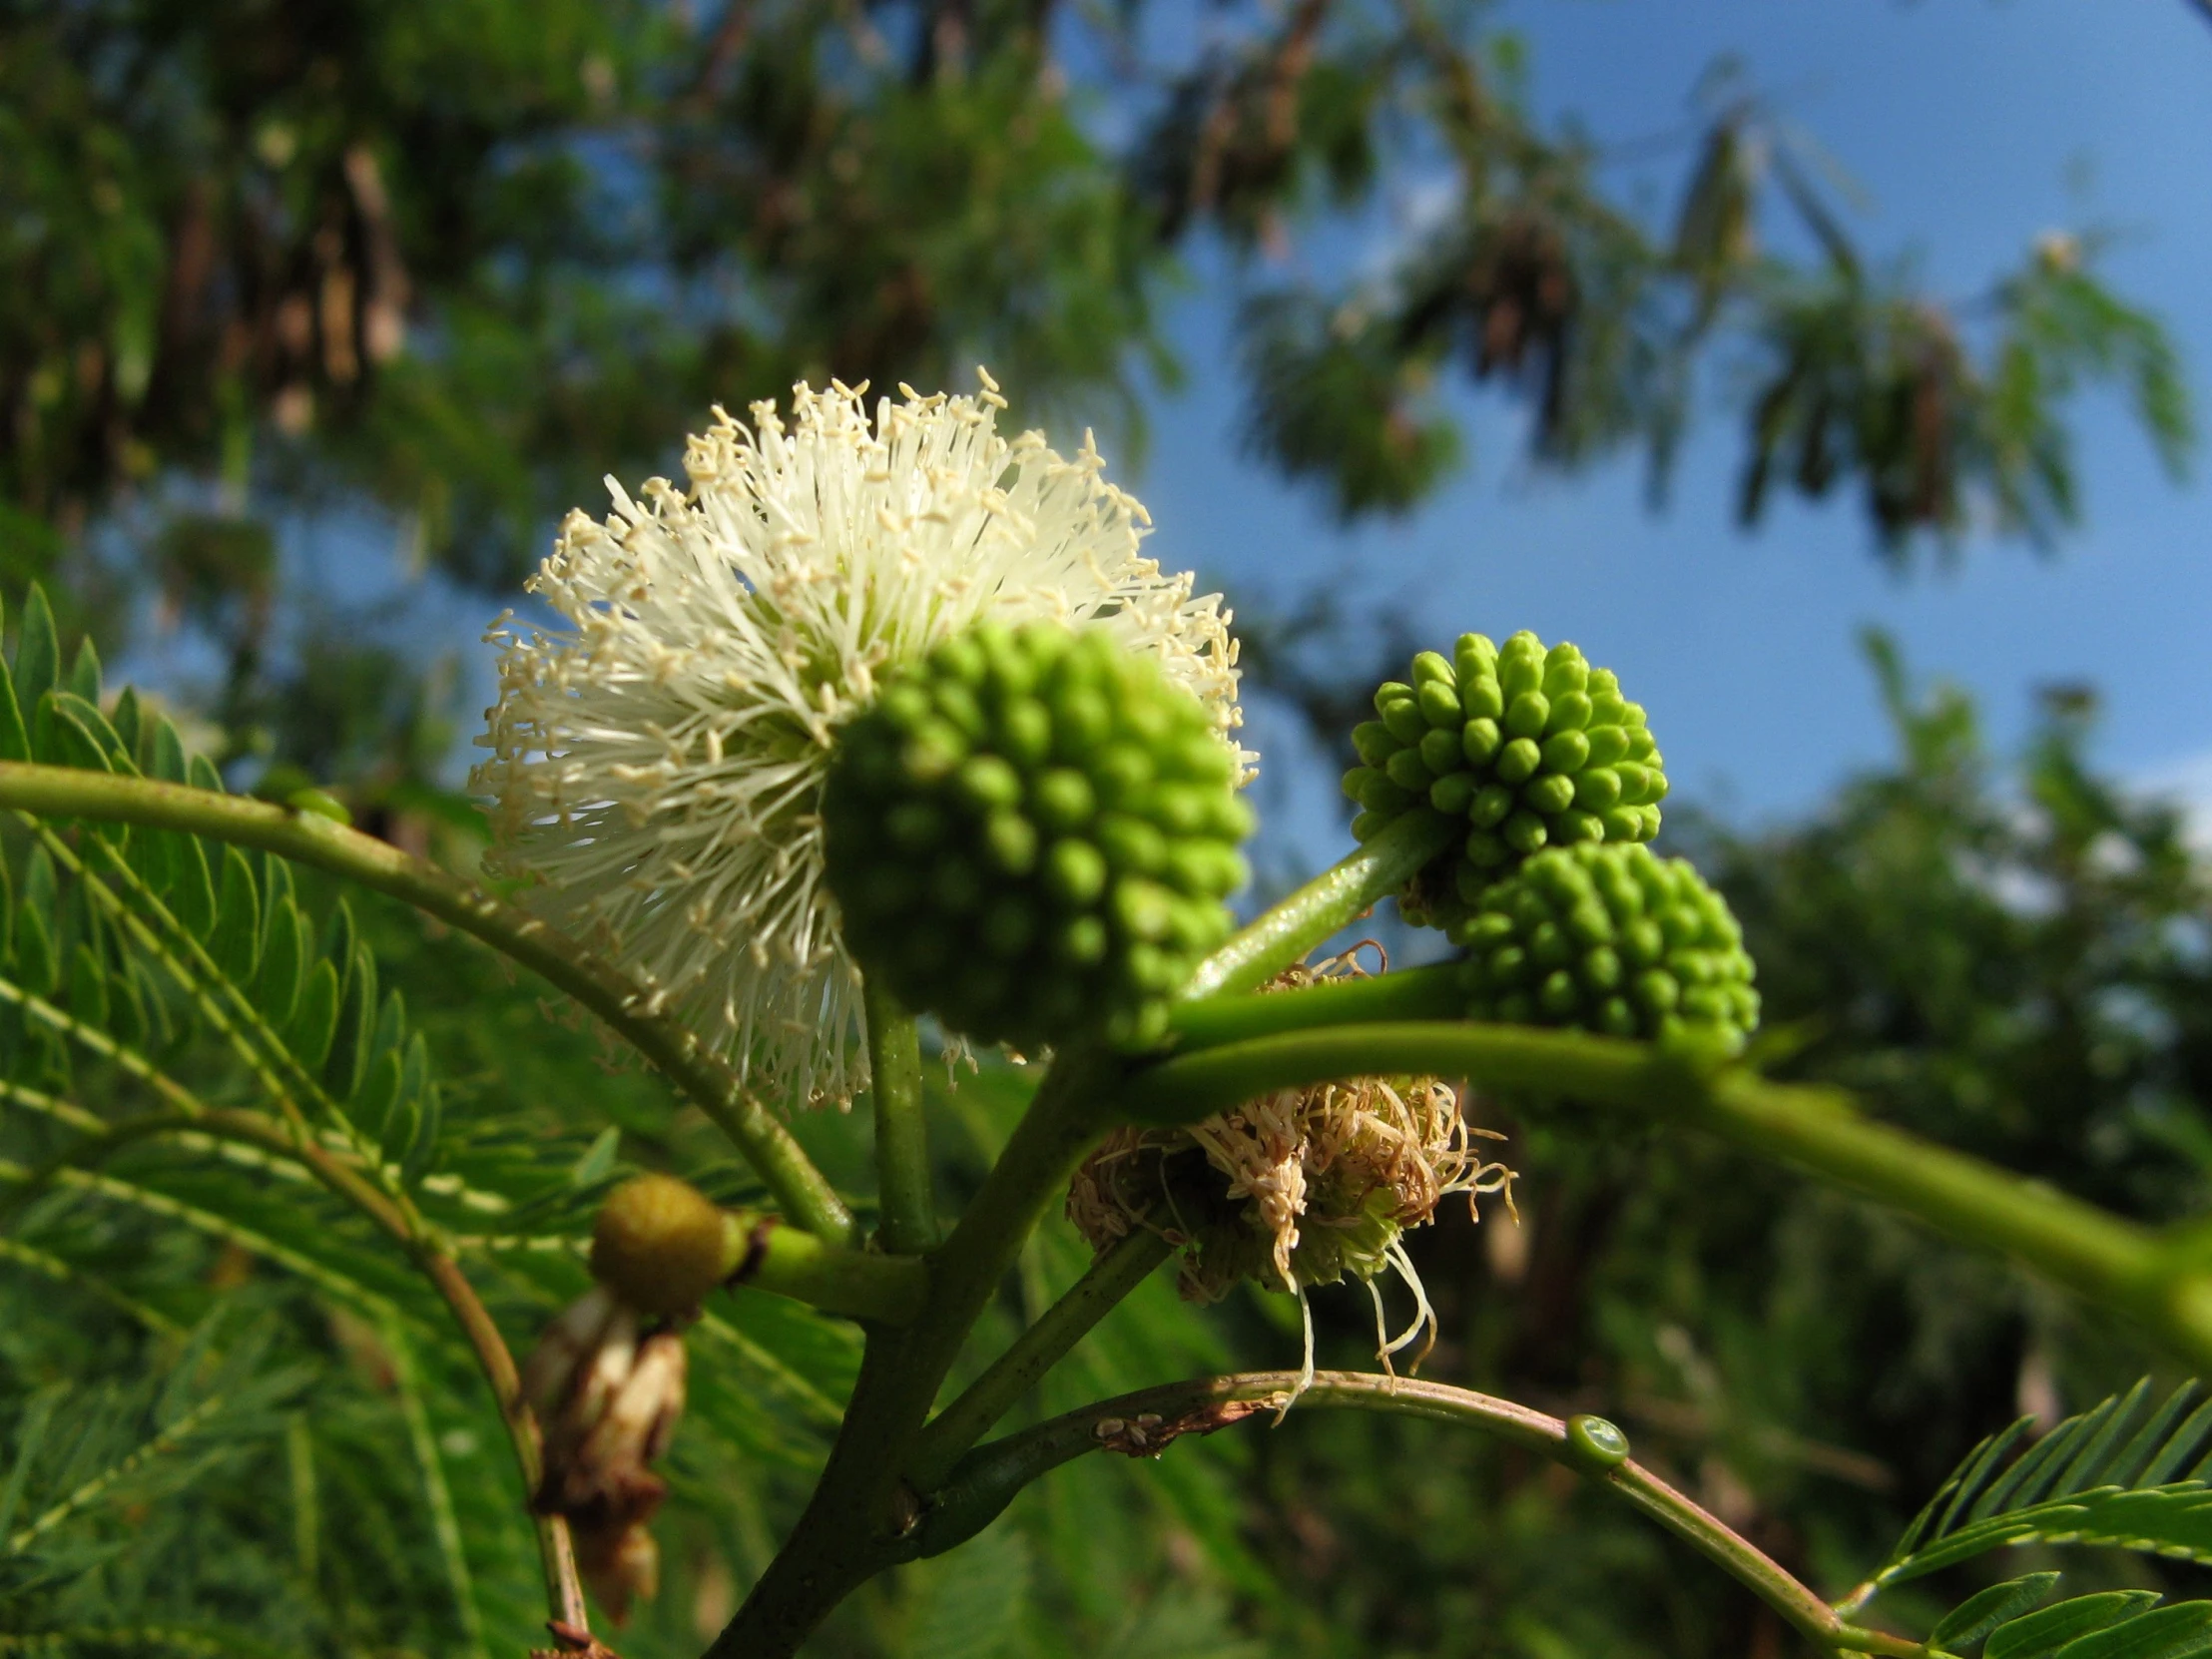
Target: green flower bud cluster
1031 834
1612 940
1532 747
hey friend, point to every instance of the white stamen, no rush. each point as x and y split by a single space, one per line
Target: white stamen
657 763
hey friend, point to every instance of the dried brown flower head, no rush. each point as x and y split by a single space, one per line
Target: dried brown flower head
1299 1188
608 1393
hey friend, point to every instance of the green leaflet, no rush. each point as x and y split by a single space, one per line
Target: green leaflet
1976 1616
2163 1633
2043 1633
37 969
38 649
283 964
84 671
316 1017
236 942
15 738
2113 1476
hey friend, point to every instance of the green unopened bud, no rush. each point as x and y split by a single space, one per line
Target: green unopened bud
660 1245
1076 848
1533 747
1610 938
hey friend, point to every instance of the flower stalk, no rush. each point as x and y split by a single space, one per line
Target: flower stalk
907 1223
1146 1423
1335 898
1112 1275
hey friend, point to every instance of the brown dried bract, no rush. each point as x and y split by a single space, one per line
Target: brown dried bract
1148 1433
608 1397
572 1642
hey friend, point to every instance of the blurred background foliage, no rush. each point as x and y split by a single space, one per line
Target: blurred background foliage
424 269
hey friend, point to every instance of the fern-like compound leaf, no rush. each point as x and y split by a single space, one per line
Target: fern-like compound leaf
2117 1474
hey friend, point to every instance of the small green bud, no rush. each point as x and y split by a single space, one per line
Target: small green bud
1012 843
1075 873
1566 751
1517 761
1452 794
1550 795
1439 752
1439 705
1065 799
1430 668
1408 771
1473 657
1402 716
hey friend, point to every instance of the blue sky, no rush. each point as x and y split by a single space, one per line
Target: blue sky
1970 127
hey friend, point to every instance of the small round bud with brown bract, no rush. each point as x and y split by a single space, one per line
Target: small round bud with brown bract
1302 1187
660 1245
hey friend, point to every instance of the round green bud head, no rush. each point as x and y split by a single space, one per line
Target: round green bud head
1527 743
1030 833
660 1245
1605 937
1595 1445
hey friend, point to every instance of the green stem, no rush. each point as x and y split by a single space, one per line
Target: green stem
864 1512
1332 899
787 1261
1145 1422
1031 1175
907 1221
1110 1277
1411 993
846 1535
2112 1261
800 1189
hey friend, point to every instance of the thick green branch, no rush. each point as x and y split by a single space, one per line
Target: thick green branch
907 1223
2112 1261
862 1511
1332 899
1036 1350
791 1262
1411 993
801 1190
1146 1423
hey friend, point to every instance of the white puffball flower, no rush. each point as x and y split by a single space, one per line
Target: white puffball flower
658 762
